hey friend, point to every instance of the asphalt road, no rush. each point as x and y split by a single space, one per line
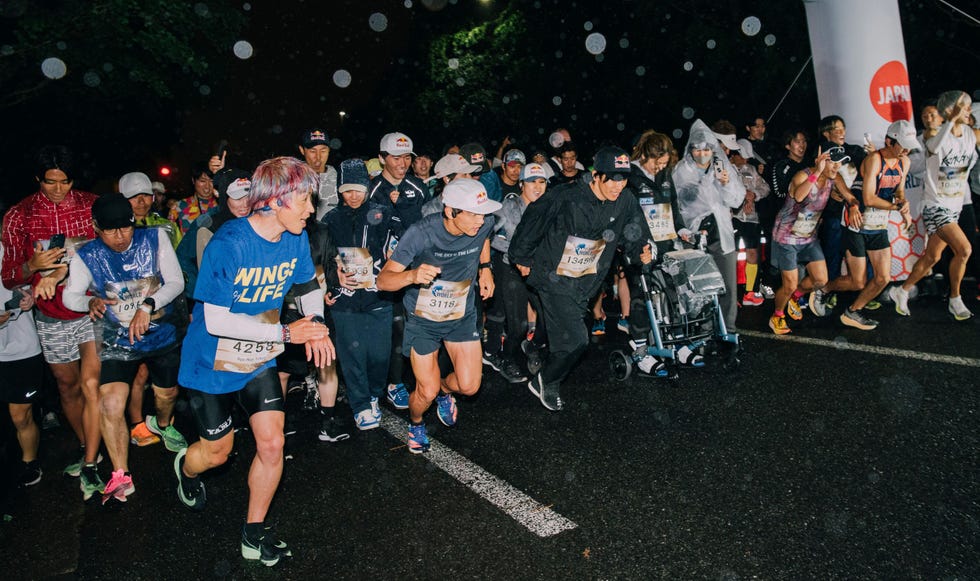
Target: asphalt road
831 453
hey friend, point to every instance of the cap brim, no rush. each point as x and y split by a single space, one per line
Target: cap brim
618 176
349 187
488 207
908 143
134 194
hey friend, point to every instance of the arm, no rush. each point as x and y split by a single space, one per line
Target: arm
531 231
484 273
78 283
394 276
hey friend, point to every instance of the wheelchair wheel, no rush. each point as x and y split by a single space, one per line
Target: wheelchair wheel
621 365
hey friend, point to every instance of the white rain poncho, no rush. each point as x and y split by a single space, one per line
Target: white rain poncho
699 193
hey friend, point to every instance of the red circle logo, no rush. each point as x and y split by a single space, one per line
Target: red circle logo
889 92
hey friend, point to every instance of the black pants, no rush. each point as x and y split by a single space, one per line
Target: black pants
568 338
507 314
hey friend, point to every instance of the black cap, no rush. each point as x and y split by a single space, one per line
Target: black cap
613 162
315 137
111 211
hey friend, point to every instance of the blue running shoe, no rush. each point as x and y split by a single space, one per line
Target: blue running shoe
418 439
599 327
398 396
376 409
365 420
446 409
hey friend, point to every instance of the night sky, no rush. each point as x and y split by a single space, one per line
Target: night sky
663 64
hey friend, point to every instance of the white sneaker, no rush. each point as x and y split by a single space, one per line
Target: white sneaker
900 297
958 309
365 420
816 303
766 291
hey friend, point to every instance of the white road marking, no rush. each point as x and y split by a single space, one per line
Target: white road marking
538 518
874 349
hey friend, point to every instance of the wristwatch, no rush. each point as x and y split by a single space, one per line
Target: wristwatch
148 306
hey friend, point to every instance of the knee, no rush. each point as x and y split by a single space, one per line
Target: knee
112 404
819 282
880 280
269 448
966 251
469 384
21 418
216 453
165 394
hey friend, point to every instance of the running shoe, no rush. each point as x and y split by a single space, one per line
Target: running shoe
30 474
511 371
794 310
50 421
120 486
89 481
752 299
818 303
172 439
398 396
141 436
418 439
494 360
779 326
872 305
958 310
689 357
650 366
332 430
75 468
900 297
830 301
533 354
531 328
365 420
266 549
190 491
548 395
857 320
376 408
623 325
446 409
767 292
599 327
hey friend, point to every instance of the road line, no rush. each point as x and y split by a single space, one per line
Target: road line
873 349
537 517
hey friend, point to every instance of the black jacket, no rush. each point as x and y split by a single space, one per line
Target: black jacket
574 210
370 226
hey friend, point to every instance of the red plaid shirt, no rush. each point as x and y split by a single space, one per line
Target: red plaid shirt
37 218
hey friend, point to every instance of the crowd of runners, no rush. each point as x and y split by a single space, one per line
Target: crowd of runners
400 275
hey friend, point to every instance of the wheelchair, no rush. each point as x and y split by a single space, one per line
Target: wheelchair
681 299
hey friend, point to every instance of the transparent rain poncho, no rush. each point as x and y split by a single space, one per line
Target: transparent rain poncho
700 194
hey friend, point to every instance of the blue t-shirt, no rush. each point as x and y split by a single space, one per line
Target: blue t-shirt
251 276
428 242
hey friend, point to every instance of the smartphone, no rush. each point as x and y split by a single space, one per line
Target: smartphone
719 167
57 241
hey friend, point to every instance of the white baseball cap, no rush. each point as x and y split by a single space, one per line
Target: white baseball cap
533 171
903 132
396 144
453 163
134 184
470 196
728 140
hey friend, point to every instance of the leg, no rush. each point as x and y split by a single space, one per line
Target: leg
427 384
89 375
112 405
164 399
28 435
266 470
467 368
957 240
624 295
934 250
786 290
135 409
816 277
68 378
881 263
856 277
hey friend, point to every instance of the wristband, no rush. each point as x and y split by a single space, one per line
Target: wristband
146 309
812 178
485 265
285 334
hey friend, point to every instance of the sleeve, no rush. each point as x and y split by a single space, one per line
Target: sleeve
173 279
186 257
531 230
938 140
16 249
216 278
78 283
408 247
221 322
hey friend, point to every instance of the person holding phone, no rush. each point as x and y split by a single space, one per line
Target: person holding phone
67 337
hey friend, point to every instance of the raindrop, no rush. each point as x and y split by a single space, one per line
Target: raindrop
506 99
202 9
408 3
569 476
770 39
107 67
205 90
460 81
336 143
588 25
688 66
624 43
92 79
242 49
711 43
61 45
54 68
453 63
341 78
277 129
574 117
246 7
595 43
556 100
378 22
599 58
677 133
434 5
641 70
376 216
558 54
6 50
608 235
620 126
751 26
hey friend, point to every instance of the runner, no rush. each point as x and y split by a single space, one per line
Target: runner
440 260
228 357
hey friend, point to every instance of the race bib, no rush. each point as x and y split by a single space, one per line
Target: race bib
129 296
243 356
443 300
805 224
952 182
875 219
580 256
660 220
358 264
850 173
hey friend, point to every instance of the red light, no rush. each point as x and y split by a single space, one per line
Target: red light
164 171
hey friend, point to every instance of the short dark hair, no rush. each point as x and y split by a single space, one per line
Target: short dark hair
827 123
198 168
790 134
568 146
54 157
